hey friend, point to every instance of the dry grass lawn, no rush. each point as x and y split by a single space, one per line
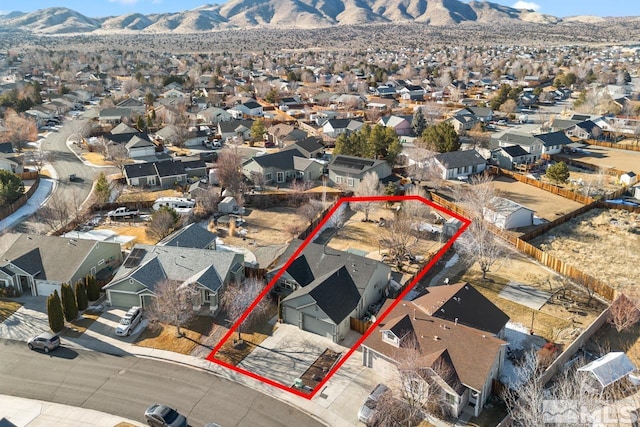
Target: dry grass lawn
78 327
96 159
138 196
602 243
546 205
609 339
163 336
233 354
264 226
553 321
7 308
624 160
139 230
179 151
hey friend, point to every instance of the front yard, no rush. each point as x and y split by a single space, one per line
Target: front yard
163 336
7 308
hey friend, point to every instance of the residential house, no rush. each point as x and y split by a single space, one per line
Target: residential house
584 130
553 142
235 127
381 104
283 134
214 115
171 173
112 116
249 108
141 174
335 127
282 166
462 360
32 262
135 106
510 157
325 287
138 147
350 170
146 266
411 92
9 160
507 214
193 235
531 144
462 304
194 166
401 125
174 92
460 164
310 147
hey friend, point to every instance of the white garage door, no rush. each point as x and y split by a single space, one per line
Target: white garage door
44 289
121 299
316 326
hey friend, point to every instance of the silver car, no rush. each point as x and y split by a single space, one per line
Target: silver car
368 409
164 416
46 341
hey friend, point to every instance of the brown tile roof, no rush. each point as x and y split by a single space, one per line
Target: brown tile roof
472 352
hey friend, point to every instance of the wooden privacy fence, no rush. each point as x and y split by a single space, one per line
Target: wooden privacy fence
588 166
8 210
627 147
28 175
359 326
543 228
608 205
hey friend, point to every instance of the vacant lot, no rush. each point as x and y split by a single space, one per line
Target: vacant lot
136 228
608 157
546 205
602 243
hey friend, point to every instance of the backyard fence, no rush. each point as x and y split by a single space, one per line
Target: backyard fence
604 144
587 166
359 326
551 188
609 205
20 202
543 228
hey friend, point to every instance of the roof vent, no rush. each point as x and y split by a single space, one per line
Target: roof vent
436 338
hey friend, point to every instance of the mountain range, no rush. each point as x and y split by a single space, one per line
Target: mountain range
237 14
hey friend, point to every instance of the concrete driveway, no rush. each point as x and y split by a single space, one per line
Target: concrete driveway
30 319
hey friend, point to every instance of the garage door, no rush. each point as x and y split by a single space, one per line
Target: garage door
44 289
120 299
316 326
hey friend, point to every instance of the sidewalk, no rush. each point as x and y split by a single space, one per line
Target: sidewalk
19 412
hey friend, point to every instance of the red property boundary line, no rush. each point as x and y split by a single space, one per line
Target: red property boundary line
465 223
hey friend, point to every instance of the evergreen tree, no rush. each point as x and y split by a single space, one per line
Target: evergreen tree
102 189
418 123
81 296
69 305
441 138
54 312
93 291
558 172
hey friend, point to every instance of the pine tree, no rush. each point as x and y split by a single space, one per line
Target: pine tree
93 291
558 172
81 296
54 312
102 189
69 305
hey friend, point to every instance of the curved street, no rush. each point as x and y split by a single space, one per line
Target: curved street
127 385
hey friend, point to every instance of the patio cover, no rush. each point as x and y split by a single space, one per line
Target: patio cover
610 368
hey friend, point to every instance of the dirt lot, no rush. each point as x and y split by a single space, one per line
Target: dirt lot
609 157
546 205
602 243
554 321
263 227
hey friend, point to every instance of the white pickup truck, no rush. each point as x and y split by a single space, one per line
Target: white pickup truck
122 212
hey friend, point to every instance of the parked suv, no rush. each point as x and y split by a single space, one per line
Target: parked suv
129 321
46 341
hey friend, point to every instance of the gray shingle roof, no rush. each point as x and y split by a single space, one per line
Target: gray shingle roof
282 160
169 168
138 170
191 236
457 159
554 138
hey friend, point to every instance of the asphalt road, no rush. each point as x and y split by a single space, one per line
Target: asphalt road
126 386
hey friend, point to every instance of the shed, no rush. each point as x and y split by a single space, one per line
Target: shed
628 178
507 214
228 205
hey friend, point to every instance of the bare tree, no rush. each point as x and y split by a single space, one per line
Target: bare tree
369 186
298 194
80 129
310 210
424 166
399 237
162 223
229 173
39 159
118 155
55 213
19 129
238 297
623 313
174 303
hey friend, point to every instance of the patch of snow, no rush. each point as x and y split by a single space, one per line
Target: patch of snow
519 338
452 261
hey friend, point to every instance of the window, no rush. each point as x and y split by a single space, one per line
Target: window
451 399
280 176
267 176
338 179
101 262
350 182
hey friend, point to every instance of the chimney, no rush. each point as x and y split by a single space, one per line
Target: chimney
455 321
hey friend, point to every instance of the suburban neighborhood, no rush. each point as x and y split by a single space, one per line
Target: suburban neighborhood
422 236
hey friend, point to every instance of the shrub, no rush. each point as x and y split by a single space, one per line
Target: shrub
69 305
81 296
54 312
558 172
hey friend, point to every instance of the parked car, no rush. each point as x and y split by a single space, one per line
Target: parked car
74 178
46 342
129 321
269 144
368 409
164 416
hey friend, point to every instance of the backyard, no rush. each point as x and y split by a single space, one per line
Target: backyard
623 160
601 243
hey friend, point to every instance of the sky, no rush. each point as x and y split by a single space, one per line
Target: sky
101 8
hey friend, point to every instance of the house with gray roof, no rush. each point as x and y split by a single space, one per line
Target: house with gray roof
335 127
529 143
507 214
193 235
323 288
231 128
459 164
146 266
282 166
31 263
350 170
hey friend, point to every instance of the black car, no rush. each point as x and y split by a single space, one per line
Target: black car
164 416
